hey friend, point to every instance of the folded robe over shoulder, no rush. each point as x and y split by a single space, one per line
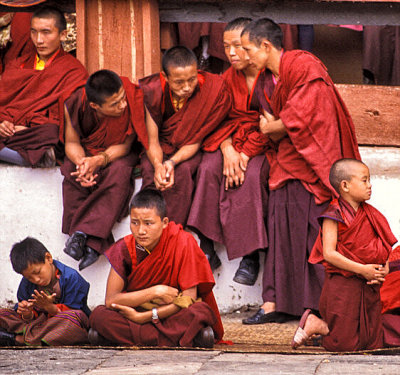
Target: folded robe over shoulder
176 261
243 123
319 126
200 115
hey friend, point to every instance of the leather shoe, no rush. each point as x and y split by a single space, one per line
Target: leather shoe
75 245
247 272
89 258
7 338
96 339
205 338
260 317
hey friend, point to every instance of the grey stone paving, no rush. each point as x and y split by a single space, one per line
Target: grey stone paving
76 361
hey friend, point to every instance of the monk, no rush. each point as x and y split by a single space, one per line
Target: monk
100 122
231 198
31 89
354 246
183 106
310 129
159 289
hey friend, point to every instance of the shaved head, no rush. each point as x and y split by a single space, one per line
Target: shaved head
343 170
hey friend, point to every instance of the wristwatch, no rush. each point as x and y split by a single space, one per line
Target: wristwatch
155 319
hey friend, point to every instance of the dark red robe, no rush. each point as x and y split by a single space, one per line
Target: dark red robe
176 261
31 98
94 211
235 217
201 114
350 306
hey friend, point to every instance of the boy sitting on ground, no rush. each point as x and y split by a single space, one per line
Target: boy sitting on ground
52 300
354 246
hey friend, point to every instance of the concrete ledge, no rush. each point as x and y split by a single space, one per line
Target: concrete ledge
31 205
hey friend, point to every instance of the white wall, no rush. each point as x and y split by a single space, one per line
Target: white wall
31 205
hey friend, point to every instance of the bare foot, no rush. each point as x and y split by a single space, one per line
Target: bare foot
268 307
312 326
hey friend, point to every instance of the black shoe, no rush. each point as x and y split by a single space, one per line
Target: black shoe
272 317
75 245
7 338
248 271
96 339
214 261
89 258
205 338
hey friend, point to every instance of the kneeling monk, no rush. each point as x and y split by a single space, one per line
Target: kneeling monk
159 290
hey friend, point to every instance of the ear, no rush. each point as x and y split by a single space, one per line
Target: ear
165 222
266 44
344 186
48 257
94 106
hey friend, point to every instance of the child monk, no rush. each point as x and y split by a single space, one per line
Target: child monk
354 247
52 300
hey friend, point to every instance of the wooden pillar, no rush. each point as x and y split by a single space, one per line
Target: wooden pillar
120 35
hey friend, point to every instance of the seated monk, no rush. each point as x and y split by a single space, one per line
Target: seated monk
159 289
183 106
30 92
100 122
231 196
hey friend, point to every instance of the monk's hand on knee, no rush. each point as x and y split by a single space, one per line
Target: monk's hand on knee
128 312
7 129
169 173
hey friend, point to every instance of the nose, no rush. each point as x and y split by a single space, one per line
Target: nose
369 185
39 38
232 51
186 87
142 229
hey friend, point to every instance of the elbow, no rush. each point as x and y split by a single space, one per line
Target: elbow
109 301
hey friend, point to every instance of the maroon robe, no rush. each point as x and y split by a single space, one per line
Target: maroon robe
350 306
199 116
32 98
320 131
235 217
95 210
176 261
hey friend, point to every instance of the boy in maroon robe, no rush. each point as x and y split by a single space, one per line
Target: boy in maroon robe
310 129
183 106
159 289
354 246
100 123
30 90
231 196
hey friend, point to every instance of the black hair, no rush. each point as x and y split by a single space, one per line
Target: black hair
52 12
28 251
262 29
150 198
237 24
178 56
341 171
101 85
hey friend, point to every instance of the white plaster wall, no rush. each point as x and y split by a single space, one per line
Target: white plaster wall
31 205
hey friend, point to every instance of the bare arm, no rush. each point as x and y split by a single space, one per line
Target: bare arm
332 256
73 147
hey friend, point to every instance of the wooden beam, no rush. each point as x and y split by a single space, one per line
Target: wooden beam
375 112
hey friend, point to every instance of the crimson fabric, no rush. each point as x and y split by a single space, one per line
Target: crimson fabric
320 129
233 217
242 122
176 261
178 198
366 240
390 290
177 330
352 310
95 210
21 38
30 97
199 116
288 279
391 328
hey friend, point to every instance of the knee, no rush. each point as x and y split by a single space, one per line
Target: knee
211 165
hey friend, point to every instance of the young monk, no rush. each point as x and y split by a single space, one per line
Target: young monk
100 123
231 196
310 129
52 301
183 106
30 90
157 275
354 246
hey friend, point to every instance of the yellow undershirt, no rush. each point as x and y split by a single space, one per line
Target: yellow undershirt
39 64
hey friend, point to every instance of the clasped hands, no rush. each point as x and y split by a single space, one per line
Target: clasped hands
235 165
375 273
272 127
86 170
164 175
7 129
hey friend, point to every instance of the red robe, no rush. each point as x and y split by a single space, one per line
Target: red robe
319 126
199 116
176 261
350 306
242 122
30 98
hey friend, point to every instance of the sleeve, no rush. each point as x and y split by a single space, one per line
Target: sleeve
120 259
74 291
